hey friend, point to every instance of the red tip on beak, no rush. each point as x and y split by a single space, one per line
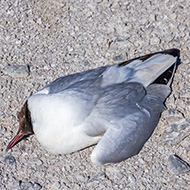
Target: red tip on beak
14 140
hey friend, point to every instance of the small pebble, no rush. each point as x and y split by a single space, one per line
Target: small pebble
177 165
97 177
80 177
121 57
29 185
17 71
2 130
9 160
56 185
185 93
132 178
85 63
36 186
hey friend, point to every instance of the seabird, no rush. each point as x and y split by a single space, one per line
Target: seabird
116 107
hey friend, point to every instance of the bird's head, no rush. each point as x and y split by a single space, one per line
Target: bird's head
25 126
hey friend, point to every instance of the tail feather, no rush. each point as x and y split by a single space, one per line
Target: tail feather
174 52
148 68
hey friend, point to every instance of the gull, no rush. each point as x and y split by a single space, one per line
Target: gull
116 107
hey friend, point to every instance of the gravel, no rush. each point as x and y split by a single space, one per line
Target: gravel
176 132
42 40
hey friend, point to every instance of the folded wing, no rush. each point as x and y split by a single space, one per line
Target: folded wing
126 137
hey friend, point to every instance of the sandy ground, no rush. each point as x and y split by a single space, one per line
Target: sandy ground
55 38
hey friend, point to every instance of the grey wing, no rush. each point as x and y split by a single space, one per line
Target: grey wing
112 105
65 82
126 137
122 140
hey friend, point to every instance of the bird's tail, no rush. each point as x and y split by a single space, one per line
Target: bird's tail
148 68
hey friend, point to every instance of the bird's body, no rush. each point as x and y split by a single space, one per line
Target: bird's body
114 106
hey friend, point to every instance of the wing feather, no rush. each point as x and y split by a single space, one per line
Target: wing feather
125 137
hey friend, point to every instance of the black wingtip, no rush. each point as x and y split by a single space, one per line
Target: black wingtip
174 52
165 77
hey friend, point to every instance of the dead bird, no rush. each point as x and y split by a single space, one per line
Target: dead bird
116 107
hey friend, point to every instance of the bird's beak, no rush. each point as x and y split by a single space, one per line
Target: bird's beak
15 140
